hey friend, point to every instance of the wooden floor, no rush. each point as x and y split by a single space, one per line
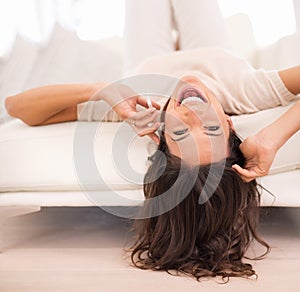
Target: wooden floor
81 249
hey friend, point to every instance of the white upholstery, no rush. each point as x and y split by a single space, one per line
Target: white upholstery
42 159
285 188
282 54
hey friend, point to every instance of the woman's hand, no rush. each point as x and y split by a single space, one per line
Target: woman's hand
124 101
259 154
261 148
146 123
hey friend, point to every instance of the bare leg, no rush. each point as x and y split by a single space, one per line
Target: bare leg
148 31
200 24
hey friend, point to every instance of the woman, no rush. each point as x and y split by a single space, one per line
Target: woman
215 216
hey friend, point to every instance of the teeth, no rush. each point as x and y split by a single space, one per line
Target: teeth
190 92
192 99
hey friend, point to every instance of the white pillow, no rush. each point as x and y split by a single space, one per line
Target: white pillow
67 59
14 71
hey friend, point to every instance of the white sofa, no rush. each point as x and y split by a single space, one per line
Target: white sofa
38 165
50 166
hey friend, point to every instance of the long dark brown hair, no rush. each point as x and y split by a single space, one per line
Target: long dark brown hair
199 240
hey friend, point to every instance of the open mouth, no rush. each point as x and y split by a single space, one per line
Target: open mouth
191 95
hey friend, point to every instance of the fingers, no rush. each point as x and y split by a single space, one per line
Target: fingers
145 123
149 130
246 174
154 137
144 118
143 102
148 120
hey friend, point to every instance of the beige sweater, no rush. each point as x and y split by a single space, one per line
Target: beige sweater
237 85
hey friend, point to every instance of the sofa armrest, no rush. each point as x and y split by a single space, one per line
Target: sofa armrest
282 54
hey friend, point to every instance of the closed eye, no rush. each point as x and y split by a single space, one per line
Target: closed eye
211 128
180 132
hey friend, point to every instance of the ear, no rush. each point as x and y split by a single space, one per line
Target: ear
230 123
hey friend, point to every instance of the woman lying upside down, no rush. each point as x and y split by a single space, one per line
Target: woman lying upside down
208 174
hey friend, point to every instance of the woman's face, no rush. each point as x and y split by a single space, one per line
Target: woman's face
196 127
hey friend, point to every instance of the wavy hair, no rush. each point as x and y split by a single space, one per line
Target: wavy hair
199 240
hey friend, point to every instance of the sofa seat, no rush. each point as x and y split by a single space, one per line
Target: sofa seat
39 161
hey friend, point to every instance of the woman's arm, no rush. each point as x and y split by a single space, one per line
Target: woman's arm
58 103
291 79
260 149
50 104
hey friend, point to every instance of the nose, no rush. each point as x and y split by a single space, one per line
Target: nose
186 115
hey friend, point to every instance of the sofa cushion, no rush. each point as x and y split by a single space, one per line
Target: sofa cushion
58 157
41 158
